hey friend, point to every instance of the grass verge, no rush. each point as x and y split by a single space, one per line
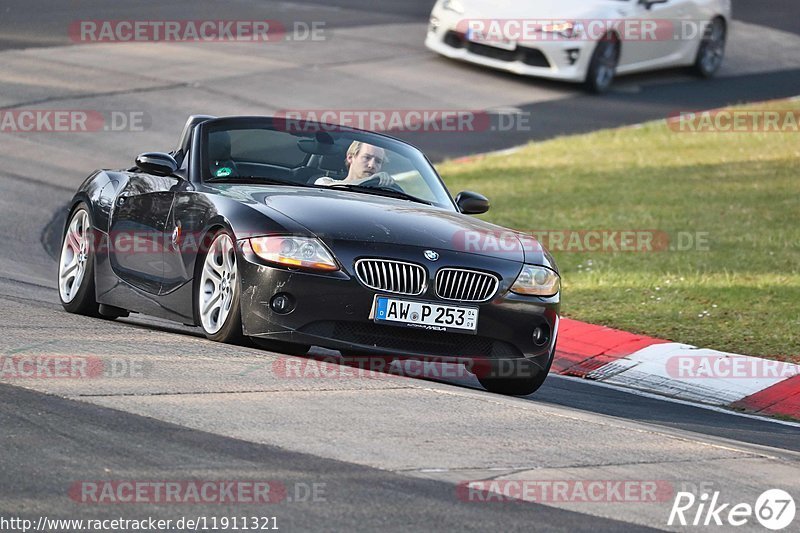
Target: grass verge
729 277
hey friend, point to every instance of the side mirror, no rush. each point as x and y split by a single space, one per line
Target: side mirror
472 203
157 163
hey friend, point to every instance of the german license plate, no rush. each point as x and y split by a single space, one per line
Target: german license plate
426 315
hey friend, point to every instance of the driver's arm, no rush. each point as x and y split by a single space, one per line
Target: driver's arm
384 179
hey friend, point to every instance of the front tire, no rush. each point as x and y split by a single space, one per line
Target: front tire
76 265
712 49
603 65
217 290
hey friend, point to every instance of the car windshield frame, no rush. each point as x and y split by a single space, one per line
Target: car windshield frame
317 136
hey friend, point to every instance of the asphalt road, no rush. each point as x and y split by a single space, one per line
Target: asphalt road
27 23
85 442
389 450
755 73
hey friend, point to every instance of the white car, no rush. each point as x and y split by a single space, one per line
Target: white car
587 41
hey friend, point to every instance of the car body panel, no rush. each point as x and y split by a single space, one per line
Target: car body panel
338 301
151 231
140 211
635 56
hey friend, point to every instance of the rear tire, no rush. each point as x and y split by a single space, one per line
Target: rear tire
603 65
712 49
217 290
76 265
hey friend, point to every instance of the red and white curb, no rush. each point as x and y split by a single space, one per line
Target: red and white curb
677 370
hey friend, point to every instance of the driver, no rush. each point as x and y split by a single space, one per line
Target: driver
364 162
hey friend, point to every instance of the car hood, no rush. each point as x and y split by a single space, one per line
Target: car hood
541 9
347 216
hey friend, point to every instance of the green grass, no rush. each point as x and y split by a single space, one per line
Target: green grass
741 190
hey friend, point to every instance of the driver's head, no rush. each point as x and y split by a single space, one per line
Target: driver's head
363 160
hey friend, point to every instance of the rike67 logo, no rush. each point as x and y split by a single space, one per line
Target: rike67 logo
774 509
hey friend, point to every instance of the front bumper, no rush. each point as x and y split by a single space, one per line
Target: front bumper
333 311
558 60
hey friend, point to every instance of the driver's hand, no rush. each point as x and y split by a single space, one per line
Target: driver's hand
384 179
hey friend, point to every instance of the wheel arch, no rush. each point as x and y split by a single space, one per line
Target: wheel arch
99 191
79 198
215 225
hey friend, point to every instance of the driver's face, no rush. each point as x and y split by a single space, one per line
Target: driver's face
367 161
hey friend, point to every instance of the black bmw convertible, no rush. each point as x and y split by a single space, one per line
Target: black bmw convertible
297 234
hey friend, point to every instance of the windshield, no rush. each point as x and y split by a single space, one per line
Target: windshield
306 154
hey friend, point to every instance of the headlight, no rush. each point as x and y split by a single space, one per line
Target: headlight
537 281
569 30
300 252
453 5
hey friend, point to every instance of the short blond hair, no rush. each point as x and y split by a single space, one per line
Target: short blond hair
355 148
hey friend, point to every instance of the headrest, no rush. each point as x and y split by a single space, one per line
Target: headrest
219 146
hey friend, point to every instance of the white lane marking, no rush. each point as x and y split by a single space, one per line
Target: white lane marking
699 374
